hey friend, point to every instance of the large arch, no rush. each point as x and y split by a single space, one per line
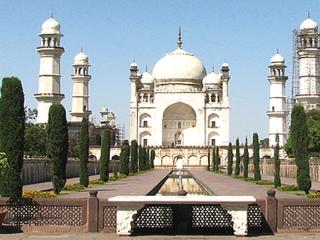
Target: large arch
178 123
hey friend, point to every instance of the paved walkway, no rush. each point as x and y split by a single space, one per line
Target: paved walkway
46 186
221 184
109 236
140 184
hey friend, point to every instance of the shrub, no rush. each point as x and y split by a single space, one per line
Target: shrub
277 180
96 182
288 188
124 158
314 195
77 187
38 194
245 160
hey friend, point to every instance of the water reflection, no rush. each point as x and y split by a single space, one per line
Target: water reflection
171 185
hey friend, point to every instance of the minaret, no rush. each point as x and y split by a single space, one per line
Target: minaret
309 63
80 93
49 73
278 108
134 77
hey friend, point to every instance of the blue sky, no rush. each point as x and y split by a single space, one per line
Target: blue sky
244 33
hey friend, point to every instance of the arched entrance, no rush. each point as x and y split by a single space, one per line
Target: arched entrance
178 123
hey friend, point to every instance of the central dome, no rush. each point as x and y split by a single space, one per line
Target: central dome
179 64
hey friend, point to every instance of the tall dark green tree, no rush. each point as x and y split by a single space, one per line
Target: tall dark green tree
277 180
105 155
209 159
245 160
12 125
124 158
230 159
57 145
217 161
152 157
256 157
147 159
237 169
84 152
134 156
213 159
299 138
141 156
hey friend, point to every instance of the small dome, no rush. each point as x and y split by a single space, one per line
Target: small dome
134 64
277 58
179 64
147 78
81 59
51 26
308 24
226 65
212 78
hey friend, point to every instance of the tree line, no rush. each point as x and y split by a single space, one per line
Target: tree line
14 131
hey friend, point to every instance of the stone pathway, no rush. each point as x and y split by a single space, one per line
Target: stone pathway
220 184
110 236
140 184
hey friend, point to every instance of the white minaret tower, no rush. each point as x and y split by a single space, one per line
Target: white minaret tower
80 93
134 81
309 65
49 73
278 108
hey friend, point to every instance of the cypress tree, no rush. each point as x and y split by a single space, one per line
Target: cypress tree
134 156
12 125
124 158
245 160
57 145
208 166
152 157
217 161
230 159
84 152
277 180
141 158
147 159
213 159
256 157
299 137
105 155
237 169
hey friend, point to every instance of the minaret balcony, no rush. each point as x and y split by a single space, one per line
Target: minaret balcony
277 113
48 96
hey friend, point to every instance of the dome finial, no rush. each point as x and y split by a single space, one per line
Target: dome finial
277 50
146 68
51 14
212 68
179 38
308 14
81 49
